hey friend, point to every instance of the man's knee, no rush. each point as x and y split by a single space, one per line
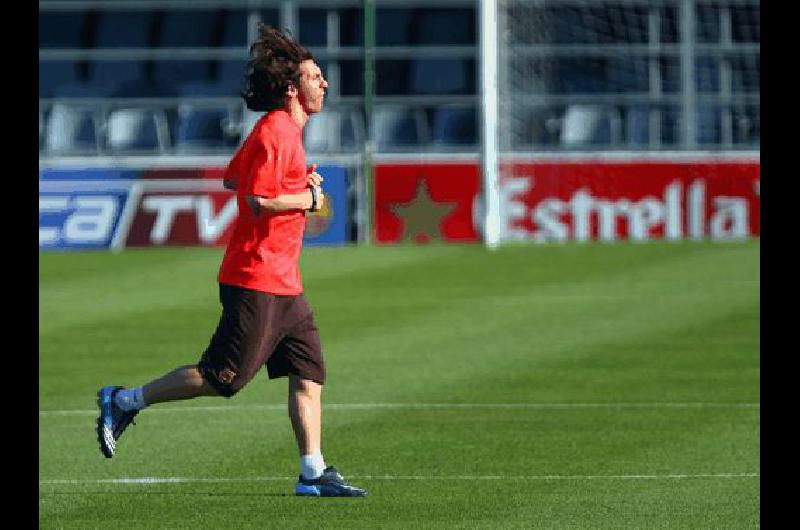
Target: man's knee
224 382
307 387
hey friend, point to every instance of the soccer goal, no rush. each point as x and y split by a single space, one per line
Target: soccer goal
571 78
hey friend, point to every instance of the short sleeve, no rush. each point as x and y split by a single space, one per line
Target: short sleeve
265 173
234 170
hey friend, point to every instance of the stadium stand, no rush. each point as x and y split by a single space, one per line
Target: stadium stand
397 127
136 130
637 126
586 125
312 27
115 30
110 76
441 76
123 29
393 27
444 27
53 74
579 79
62 30
71 130
200 127
437 27
454 126
72 127
187 29
334 130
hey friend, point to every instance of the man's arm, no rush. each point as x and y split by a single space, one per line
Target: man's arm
285 202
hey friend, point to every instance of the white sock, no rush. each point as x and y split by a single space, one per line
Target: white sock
130 399
312 466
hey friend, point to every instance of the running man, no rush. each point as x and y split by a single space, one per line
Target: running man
266 319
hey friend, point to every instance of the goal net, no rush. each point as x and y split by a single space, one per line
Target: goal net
574 76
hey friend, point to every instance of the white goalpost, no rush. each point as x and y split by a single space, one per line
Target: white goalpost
488 29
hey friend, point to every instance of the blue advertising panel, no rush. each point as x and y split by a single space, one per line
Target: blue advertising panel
80 218
113 208
329 225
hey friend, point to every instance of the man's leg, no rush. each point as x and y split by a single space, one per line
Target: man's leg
184 382
235 353
305 411
119 406
298 356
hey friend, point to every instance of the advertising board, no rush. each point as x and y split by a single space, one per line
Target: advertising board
81 209
571 201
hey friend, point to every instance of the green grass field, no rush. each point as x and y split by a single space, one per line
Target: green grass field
555 386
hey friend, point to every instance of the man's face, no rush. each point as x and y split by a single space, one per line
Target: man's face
311 92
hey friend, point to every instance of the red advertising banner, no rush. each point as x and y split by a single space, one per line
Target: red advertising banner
638 201
185 217
425 202
572 201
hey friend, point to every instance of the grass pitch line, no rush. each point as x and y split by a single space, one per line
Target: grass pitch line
184 480
373 406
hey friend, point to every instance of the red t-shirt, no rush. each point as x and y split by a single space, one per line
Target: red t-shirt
263 251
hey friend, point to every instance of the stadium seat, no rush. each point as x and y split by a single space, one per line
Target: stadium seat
353 130
587 125
199 126
709 124
53 74
136 130
454 126
441 76
71 129
637 126
334 130
398 127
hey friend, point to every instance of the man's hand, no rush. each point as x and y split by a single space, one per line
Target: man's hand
314 178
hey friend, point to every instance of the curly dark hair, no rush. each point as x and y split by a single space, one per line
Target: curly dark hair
274 64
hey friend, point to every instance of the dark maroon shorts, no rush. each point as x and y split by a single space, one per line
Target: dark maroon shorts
258 328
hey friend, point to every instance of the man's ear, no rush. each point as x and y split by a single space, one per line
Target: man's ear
291 90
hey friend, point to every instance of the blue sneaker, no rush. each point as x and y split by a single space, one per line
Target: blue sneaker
329 484
112 421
